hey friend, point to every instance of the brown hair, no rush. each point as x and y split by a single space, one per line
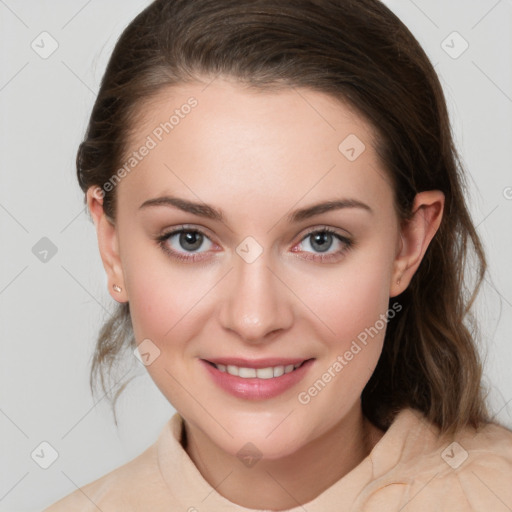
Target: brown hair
357 51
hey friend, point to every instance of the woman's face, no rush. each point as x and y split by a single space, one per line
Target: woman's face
254 276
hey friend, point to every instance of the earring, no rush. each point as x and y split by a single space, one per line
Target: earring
116 288
398 280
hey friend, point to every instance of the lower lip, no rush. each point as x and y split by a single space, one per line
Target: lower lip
257 389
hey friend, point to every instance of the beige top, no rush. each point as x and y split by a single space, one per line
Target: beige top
410 469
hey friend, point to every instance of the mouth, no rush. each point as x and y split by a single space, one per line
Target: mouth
257 379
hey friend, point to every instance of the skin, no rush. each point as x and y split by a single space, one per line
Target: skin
257 156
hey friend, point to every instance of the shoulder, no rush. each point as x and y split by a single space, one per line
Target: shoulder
478 468
470 470
125 488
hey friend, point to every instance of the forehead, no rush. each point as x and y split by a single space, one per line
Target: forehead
223 138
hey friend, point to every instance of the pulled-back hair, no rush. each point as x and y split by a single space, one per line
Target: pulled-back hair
359 52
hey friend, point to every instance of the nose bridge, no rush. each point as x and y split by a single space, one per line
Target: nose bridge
256 303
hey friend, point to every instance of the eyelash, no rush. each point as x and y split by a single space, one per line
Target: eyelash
195 257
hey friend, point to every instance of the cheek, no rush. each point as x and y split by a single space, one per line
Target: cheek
353 304
351 297
166 301
162 294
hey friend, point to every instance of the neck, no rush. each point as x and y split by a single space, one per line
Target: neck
292 480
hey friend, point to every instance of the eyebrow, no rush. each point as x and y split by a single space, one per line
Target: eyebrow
209 212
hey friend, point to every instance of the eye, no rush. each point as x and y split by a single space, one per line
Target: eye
323 240
185 243
191 244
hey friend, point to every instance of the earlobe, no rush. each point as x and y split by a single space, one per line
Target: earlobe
107 244
415 236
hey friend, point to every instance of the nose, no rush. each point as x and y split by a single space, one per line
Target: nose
257 303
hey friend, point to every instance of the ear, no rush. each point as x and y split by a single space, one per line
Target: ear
107 243
416 234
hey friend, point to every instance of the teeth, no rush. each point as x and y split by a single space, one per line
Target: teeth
278 371
260 373
264 373
247 373
232 370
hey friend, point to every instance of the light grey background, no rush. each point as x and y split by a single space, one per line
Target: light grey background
51 311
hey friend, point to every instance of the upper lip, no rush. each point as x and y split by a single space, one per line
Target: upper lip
257 363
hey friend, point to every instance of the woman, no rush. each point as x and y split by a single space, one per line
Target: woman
280 212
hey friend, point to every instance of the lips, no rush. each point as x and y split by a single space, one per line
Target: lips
247 384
